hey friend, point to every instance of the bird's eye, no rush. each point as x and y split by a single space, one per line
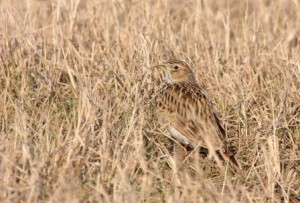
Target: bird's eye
176 67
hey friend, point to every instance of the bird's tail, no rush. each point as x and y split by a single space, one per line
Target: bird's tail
228 155
223 156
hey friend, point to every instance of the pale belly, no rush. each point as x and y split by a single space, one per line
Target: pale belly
178 136
214 144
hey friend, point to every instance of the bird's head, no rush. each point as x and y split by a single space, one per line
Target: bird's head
172 72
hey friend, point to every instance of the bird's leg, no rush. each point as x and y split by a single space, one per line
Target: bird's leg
180 154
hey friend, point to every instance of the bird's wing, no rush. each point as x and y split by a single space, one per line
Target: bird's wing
190 113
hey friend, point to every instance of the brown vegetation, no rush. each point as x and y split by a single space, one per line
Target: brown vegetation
75 119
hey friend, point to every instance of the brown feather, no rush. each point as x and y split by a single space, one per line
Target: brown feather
187 111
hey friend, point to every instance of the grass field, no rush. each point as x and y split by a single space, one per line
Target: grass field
76 124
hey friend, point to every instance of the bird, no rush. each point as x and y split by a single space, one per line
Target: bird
183 106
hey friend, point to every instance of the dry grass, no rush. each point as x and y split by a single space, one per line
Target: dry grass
75 124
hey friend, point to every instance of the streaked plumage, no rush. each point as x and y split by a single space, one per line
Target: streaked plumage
184 108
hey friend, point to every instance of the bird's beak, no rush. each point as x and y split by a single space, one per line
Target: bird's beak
157 67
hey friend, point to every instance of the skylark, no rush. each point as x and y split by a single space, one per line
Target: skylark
186 111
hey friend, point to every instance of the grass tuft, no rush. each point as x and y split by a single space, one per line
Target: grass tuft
76 123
